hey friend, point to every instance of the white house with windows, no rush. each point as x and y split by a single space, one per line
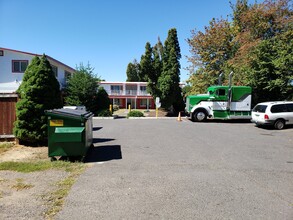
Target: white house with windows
13 64
134 94
124 94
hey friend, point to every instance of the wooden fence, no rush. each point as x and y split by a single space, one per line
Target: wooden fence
7 115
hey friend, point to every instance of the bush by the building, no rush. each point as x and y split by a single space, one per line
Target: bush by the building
135 113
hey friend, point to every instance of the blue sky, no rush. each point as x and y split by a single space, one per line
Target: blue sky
106 33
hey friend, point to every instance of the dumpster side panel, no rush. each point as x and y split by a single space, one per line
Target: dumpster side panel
67 149
89 132
65 144
70 133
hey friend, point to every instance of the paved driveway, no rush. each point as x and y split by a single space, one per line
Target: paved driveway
164 169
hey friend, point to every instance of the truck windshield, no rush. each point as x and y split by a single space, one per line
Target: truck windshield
260 108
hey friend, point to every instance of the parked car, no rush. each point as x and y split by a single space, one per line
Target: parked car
277 114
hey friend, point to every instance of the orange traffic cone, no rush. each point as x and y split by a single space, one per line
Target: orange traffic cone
179 117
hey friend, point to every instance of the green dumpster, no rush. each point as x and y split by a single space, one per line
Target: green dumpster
70 132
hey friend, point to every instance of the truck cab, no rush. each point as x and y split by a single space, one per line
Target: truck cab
220 102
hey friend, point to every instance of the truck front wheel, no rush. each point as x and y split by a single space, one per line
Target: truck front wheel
199 115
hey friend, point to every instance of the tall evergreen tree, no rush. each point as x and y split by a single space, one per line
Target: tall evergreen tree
170 78
146 63
157 68
82 88
159 48
38 92
133 71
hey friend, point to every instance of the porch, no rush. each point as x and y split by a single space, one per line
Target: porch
133 102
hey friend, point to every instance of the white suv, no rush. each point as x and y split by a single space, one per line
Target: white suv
277 114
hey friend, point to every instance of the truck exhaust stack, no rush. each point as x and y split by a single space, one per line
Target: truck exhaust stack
220 79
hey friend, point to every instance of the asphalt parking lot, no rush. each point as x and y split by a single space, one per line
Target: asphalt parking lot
165 169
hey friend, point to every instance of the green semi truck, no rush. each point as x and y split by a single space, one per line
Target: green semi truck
220 102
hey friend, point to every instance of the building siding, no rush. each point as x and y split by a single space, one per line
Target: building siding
130 93
6 74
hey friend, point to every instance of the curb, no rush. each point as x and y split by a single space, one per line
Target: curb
113 117
144 118
138 118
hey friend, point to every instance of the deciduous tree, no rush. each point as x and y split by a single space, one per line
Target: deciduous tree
210 51
271 72
256 45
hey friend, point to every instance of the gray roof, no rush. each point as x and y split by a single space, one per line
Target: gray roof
9 87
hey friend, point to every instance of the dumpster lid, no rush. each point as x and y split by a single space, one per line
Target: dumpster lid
69 113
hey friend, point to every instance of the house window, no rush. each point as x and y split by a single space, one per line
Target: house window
19 66
143 90
55 70
67 75
116 102
1 53
116 90
143 102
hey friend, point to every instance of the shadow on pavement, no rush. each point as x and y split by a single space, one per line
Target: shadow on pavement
101 140
271 127
97 128
103 153
231 121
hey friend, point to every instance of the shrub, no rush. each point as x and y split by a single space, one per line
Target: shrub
103 101
82 88
38 92
104 113
135 113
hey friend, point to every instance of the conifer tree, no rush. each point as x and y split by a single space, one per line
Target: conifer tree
170 77
82 88
157 67
133 71
38 92
146 63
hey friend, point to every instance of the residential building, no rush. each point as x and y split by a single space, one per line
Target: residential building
124 94
13 64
